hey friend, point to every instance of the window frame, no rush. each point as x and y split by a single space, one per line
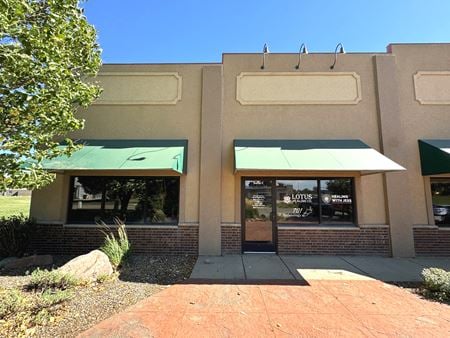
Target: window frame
70 219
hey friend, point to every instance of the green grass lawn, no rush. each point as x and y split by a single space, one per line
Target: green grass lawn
443 200
14 205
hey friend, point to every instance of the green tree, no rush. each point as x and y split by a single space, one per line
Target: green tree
339 186
47 51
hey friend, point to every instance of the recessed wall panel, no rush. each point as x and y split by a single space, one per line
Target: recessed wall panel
432 87
278 88
139 88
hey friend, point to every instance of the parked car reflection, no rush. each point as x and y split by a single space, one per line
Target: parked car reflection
441 214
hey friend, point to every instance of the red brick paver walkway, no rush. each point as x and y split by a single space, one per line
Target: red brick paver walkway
321 309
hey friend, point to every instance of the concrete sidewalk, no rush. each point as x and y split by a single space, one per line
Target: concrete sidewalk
307 268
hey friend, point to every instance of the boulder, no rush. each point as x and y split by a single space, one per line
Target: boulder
88 267
12 263
6 261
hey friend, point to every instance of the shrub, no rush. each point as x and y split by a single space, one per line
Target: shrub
116 248
53 297
21 312
437 283
15 234
12 301
158 216
44 280
103 278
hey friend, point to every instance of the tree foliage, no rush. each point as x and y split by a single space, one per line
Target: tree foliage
47 51
339 186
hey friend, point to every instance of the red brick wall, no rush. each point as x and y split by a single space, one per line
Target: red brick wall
358 241
315 241
57 239
231 239
432 241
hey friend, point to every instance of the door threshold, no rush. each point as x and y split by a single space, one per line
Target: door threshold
260 252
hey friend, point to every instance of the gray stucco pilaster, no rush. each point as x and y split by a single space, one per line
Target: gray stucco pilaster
392 140
210 162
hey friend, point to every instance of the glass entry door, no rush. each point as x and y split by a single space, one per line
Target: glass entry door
258 215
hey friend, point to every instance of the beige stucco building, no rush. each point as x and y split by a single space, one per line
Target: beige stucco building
232 157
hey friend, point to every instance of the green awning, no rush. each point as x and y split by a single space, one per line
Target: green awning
434 156
310 155
124 155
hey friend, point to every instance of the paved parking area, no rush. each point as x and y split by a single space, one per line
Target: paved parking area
305 268
287 296
327 308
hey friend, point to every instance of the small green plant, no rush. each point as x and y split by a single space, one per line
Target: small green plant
436 284
53 297
158 216
21 312
15 235
104 278
38 304
44 280
12 301
116 248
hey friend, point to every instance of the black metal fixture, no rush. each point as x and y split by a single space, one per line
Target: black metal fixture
341 51
265 51
302 50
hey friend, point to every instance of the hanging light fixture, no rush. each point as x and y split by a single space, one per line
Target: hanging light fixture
341 51
265 51
302 50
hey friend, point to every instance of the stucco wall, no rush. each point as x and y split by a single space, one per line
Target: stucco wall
382 110
301 121
420 121
139 121
49 204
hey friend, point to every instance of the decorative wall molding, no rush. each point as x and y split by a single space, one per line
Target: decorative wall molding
373 226
141 88
230 225
432 87
289 88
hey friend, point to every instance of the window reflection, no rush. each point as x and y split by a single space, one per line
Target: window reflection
87 198
336 200
161 201
135 200
440 195
297 201
123 198
258 210
300 201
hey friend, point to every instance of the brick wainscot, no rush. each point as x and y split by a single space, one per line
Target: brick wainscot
231 239
431 240
75 240
363 240
294 240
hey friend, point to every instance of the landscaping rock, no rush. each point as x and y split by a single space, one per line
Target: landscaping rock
7 260
88 267
13 263
140 277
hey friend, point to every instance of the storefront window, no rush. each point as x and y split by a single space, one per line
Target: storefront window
297 201
300 201
134 200
440 194
336 200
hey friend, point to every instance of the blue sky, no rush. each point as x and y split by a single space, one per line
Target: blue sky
200 30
